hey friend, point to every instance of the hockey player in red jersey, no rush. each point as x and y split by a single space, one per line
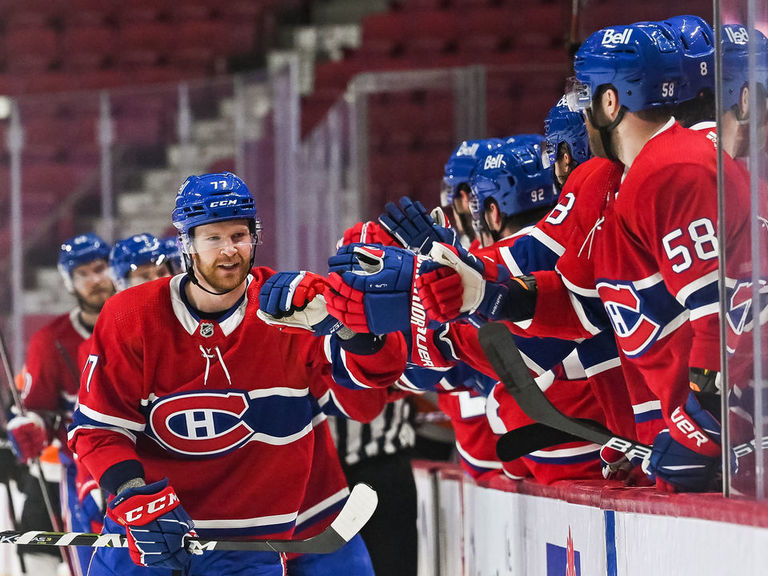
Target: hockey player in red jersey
51 382
652 255
189 398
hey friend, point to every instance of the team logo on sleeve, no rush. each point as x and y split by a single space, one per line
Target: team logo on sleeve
635 331
740 307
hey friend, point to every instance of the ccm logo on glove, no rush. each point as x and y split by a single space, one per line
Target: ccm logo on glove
687 427
133 516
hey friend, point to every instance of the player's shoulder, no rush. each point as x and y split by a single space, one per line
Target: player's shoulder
137 298
60 326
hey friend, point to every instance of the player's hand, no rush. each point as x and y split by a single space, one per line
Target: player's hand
414 228
686 457
156 525
456 284
294 301
371 287
28 436
366 233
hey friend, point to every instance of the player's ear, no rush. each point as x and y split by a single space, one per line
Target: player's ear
609 102
743 111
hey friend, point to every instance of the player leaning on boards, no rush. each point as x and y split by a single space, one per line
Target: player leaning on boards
193 412
653 253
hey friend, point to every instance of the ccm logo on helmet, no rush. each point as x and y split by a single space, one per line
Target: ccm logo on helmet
610 36
158 505
222 203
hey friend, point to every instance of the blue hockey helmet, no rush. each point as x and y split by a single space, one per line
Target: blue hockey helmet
80 250
459 167
696 40
213 198
514 176
564 125
172 251
130 253
736 44
642 61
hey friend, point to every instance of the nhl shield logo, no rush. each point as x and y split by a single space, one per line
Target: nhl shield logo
206 329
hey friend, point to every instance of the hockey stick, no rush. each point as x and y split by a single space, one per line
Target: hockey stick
499 346
55 522
522 441
356 512
526 439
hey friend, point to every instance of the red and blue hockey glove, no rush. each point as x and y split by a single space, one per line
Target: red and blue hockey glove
294 301
155 523
457 284
366 233
371 287
414 228
686 457
90 500
28 436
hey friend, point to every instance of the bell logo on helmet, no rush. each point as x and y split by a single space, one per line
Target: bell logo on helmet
737 35
467 149
610 36
493 162
223 203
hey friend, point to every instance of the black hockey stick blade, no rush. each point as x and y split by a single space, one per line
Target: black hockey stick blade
500 348
537 436
353 516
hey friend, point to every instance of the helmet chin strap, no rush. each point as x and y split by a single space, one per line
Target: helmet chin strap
605 132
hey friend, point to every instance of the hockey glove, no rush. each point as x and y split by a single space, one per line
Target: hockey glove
686 457
457 284
366 233
371 287
155 523
28 436
414 228
294 301
90 500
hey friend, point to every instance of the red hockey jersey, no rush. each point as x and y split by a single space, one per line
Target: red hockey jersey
51 373
222 408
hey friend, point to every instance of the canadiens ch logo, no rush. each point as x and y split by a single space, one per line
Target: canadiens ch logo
201 423
206 329
636 331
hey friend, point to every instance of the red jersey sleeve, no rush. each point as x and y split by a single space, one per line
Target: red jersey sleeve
110 397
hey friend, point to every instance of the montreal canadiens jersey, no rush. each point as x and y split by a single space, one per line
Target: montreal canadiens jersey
51 373
652 256
225 409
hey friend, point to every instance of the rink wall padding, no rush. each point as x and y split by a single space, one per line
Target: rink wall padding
506 527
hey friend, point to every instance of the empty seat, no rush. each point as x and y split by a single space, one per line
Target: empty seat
383 34
430 31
